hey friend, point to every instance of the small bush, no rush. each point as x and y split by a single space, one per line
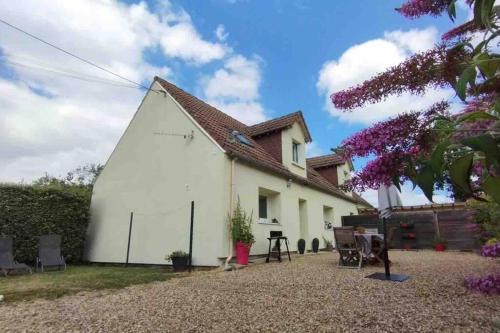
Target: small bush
27 212
489 284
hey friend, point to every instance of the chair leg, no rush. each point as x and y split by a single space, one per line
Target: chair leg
278 242
287 251
269 251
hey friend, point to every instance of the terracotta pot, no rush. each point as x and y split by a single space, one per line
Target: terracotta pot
439 247
242 252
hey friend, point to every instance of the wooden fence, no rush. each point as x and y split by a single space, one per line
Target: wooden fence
422 227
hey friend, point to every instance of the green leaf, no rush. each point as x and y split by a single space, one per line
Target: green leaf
452 12
484 143
467 76
486 9
425 180
497 107
478 4
476 115
437 157
487 66
460 171
395 181
491 186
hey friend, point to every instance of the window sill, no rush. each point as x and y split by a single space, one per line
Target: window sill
298 165
268 223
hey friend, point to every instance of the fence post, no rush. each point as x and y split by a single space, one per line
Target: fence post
129 235
191 238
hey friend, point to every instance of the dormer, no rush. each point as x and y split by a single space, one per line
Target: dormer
285 139
332 167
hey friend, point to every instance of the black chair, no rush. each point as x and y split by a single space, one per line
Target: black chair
49 253
7 262
277 237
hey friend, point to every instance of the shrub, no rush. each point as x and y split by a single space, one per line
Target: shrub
176 254
27 212
489 284
492 250
241 225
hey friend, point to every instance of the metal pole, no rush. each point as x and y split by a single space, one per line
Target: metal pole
129 235
191 237
386 252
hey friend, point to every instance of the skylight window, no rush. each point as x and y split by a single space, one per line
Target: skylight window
241 138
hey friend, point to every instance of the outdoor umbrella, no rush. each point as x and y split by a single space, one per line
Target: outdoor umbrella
388 198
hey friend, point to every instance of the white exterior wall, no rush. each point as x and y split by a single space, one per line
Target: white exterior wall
156 177
343 173
296 134
247 182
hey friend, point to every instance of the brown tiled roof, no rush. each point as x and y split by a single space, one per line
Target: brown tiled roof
324 161
280 123
220 127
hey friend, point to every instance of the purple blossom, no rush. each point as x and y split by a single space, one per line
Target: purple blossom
489 284
416 8
492 250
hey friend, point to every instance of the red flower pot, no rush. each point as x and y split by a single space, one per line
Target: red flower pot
242 252
439 247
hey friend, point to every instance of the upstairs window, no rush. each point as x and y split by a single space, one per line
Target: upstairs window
295 151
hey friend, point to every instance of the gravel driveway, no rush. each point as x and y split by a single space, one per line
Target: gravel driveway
309 294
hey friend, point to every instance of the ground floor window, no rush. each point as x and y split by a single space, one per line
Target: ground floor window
269 206
262 207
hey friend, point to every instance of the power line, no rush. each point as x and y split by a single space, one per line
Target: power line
38 64
74 76
73 55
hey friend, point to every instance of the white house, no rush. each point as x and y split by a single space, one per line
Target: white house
178 149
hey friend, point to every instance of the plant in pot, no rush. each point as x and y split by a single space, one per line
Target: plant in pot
179 260
241 231
439 243
328 244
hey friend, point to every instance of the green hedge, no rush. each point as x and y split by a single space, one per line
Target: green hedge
26 212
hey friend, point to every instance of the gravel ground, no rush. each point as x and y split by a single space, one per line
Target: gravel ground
309 294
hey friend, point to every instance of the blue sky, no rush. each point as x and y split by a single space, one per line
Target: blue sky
252 59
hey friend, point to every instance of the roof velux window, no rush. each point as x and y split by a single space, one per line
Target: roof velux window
241 138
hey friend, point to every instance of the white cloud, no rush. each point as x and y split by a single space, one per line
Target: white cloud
221 33
49 122
408 196
361 62
313 149
234 89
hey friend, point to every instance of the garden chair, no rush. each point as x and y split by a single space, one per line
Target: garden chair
7 262
350 251
49 253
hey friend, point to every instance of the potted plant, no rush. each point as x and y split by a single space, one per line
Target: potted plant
328 244
439 244
179 260
241 231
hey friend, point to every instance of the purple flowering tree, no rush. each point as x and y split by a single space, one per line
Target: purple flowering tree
434 148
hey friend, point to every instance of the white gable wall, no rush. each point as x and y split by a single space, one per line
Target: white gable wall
156 177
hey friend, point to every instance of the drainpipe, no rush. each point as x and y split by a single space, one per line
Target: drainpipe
231 204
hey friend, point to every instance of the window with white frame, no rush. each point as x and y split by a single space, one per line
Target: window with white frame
269 206
262 207
295 151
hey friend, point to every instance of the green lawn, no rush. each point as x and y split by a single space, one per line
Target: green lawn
53 284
